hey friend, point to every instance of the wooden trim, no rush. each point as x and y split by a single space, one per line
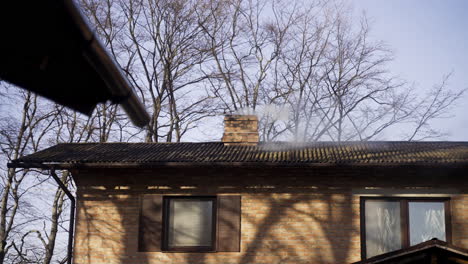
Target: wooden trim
404 217
165 224
408 198
448 221
150 223
140 224
362 204
165 233
404 221
214 223
229 223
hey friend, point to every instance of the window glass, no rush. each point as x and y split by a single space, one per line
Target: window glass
426 221
383 227
190 223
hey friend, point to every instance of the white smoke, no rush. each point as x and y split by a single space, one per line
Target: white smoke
269 114
270 111
275 112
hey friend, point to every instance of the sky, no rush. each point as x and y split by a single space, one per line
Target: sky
429 39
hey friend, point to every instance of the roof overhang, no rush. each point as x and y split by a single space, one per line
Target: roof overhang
430 252
146 165
427 155
47 47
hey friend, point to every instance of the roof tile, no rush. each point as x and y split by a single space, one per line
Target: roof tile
279 152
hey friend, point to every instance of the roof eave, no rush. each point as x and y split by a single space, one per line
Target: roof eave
142 165
424 246
55 53
107 68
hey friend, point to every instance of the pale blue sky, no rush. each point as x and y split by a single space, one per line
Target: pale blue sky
429 39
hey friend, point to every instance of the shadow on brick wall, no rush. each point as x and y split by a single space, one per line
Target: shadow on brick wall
288 216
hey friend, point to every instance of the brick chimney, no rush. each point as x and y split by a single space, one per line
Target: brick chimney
240 130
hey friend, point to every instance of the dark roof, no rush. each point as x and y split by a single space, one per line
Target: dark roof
54 52
430 252
445 153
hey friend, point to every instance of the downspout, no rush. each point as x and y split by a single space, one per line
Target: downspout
72 214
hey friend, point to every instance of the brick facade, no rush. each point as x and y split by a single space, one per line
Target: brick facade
289 215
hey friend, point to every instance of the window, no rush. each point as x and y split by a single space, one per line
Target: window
189 223
389 224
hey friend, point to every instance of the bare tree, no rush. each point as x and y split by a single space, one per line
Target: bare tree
320 66
356 98
245 46
36 125
160 48
436 104
194 59
17 138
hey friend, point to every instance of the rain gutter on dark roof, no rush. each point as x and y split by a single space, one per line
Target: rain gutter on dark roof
71 225
142 165
55 53
117 83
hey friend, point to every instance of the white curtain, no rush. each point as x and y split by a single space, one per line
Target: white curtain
383 228
427 221
190 223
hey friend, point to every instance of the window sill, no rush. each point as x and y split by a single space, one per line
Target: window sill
188 251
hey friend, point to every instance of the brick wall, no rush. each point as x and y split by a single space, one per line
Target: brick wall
288 215
240 130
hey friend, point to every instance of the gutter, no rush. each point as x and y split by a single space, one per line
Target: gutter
116 82
70 196
72 215
141 165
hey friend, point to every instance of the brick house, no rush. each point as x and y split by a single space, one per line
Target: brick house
241 201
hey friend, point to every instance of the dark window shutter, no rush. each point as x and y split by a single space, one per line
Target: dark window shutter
149 237
229 223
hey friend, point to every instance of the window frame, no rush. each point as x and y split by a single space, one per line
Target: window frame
404 217
165 225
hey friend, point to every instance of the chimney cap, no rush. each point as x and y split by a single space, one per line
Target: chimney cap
240 117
